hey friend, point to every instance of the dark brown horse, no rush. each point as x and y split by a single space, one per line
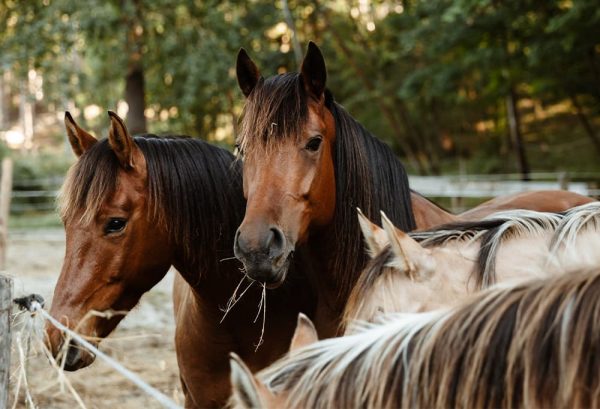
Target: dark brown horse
132 207
307 165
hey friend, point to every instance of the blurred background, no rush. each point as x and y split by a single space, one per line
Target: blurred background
470 87
477 97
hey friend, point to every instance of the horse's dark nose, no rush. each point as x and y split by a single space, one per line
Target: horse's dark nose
275 242
77 357
263 252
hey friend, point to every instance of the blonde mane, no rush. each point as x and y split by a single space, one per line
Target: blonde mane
474 248
534 344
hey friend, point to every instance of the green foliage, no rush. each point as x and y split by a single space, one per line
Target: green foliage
430 77
42 172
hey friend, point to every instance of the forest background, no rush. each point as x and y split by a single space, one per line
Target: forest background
470 86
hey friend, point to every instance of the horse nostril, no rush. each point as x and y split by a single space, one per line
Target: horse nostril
237 247
276 243
73 354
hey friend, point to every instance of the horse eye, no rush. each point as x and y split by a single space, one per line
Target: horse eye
114 225
314 144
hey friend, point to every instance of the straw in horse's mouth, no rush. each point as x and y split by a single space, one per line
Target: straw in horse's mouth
233 300
262 305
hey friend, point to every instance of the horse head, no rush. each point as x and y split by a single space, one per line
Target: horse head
286 142
109 237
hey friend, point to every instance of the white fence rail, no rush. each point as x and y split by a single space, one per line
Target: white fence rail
28 196
468 186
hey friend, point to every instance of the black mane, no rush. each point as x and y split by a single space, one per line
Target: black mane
190 184
369 176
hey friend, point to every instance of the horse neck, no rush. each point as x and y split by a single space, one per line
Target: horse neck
198 188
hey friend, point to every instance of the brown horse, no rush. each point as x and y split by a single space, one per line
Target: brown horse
132 207
429 215
307 165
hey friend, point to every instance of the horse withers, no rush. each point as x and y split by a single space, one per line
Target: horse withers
134 206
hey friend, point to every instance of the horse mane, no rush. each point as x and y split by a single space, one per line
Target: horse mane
534 344
575 220
370 177
202 189
367 173
377 281
361 294
491 232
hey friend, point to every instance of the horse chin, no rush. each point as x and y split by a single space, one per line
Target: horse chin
77 358
272 275
279 280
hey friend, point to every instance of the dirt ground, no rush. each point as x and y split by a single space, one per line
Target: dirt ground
143 342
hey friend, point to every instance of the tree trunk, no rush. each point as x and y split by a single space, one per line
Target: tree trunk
290 23
3 106
585 122
135 94
388 114
26 115
514 126
135 98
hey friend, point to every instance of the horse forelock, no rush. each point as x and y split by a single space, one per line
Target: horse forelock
89 183
202 189
275 111
533 344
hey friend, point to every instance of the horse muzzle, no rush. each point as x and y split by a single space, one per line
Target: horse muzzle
75 356
266 257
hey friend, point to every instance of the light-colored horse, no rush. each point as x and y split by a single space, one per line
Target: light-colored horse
535 344
423 271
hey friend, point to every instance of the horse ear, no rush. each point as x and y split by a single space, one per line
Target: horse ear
248 391
247 72
375 237
120 141
305 333
313 71
410 257
79 139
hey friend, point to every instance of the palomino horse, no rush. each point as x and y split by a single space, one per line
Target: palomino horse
535 344
408 276
132 207
307 165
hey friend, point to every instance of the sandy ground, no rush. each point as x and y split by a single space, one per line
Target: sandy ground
143 342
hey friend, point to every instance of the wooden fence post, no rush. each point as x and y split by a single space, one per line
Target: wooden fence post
5 337
5 196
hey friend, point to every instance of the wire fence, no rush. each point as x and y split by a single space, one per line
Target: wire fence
31 333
